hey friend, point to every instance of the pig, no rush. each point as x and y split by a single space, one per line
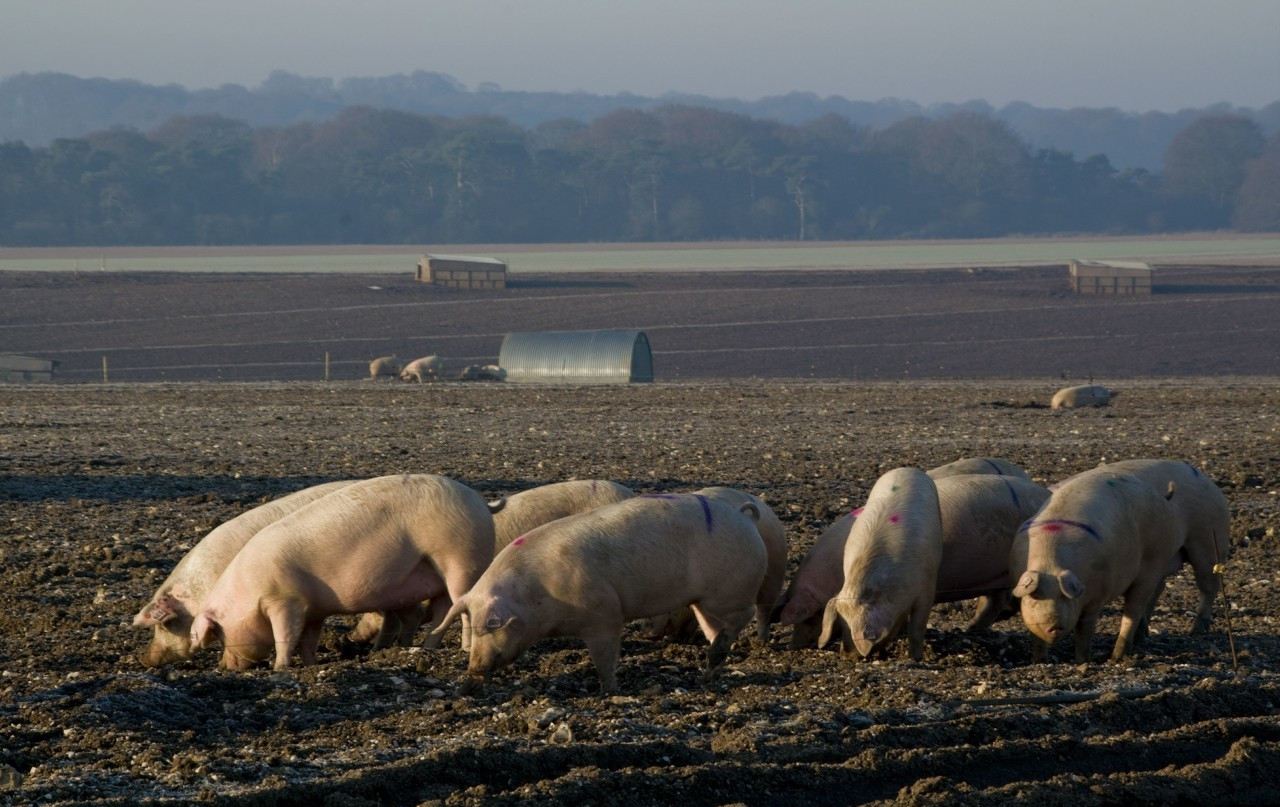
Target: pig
588 574
978 465
536 506
775 544
482 372
980 515
181 596
890 566
1201 516
1101 535
382 544
384 367
1081 396
427 368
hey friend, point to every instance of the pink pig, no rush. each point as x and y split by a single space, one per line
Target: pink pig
383 544
181 596
890 566
537 506
588 574
1100 536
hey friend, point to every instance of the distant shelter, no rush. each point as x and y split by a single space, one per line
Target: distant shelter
1110 277
462 271
577 357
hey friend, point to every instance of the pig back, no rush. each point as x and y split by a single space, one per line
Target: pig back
981 515
978 465
534 507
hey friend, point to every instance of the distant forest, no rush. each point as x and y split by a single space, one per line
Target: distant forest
296 162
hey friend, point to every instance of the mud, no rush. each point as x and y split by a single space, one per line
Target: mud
105 487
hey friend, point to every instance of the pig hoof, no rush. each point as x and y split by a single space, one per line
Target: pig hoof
469 685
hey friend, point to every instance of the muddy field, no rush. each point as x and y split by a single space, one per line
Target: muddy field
104 488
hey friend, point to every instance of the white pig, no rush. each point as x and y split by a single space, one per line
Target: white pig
588 574
1200 515
980 516
978 465
1084 395
775 545
383 544
182 594
890 566
536 506
1100 536
427 368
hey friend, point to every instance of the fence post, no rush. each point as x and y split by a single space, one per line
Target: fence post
326 366
104 369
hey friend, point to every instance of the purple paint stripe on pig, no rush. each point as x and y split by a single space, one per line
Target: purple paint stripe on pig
662 495
706 509
994 467
1013 493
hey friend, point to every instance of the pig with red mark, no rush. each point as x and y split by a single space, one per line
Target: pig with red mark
890 566
588 574
1201 517
536 506
181 596
679 622
384 544
1101 535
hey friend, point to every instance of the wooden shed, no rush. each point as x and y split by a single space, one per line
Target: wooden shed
462 271
26 368
577 357
1110 277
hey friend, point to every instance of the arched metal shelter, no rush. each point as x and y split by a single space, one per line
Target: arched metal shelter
577 357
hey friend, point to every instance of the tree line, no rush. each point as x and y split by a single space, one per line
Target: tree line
672 173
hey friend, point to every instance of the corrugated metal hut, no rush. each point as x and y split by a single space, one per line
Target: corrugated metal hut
1110 277
462 271
577 357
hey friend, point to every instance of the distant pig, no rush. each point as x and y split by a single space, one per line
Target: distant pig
1085 395
978 465
1100 536
536 506
588 574
1201 517
384 367
180 597
383 544
428 368
890 566
775 545
980 516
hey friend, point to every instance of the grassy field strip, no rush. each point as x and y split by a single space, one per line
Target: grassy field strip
868 255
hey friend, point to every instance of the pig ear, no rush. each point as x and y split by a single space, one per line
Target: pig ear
496 505
1071 585
203 630
1027 584
157 612
1168 494
751 510
833 622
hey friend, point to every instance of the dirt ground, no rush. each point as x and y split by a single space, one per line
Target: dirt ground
103 488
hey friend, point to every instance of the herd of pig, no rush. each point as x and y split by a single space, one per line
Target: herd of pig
583 558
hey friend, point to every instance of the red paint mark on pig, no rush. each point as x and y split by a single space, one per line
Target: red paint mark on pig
895 518
518 541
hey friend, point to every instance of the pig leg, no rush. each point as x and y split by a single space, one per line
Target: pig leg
410 621
309 641
288 618
604 646
991 609
720 633
917 621
387 630
438 607
1039 650
1083 638
1137 600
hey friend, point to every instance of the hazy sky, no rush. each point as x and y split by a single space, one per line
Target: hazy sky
1134 54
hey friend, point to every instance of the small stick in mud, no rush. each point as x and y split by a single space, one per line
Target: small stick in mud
1220 569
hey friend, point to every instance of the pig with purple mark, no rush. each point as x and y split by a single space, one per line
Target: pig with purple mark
1101 535
586 575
